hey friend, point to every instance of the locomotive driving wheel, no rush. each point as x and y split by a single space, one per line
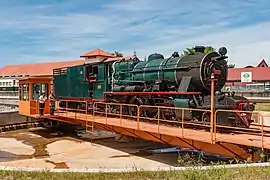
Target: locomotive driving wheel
168 115
205 119
112 109
133 110
150 113
144 111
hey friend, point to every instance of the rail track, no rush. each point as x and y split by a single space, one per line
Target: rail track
22 125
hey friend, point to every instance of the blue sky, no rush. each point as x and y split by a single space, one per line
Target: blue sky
56 30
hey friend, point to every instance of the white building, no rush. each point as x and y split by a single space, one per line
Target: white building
8 83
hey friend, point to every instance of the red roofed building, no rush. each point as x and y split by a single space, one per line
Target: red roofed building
249 78
96 56
46 69
102 56
97 53
10 74
39 69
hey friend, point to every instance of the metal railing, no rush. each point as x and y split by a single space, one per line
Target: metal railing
117 113
249 129
35 108
181 120
76 111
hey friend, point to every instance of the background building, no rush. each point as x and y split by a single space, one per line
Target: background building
249 78
9 75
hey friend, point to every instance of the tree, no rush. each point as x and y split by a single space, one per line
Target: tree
117 54
208 49
190 51
231 65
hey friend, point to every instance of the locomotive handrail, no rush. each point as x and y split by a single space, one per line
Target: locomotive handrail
165 69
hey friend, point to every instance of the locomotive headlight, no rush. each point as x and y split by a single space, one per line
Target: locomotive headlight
222 51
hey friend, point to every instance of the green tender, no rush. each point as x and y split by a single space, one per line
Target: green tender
71 84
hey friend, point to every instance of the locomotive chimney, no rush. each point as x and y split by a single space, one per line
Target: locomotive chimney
199 49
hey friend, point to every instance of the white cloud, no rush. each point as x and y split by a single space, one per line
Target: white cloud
247 45
47 32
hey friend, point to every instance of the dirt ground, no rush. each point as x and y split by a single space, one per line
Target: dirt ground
43 148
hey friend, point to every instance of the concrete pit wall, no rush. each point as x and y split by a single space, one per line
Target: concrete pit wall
11 117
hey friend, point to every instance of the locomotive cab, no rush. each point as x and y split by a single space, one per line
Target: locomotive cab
91 76
98 75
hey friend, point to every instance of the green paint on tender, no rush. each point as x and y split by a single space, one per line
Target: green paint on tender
72 83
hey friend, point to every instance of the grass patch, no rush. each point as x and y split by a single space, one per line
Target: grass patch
193 160
192 174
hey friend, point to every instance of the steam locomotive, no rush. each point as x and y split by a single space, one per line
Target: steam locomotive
178 81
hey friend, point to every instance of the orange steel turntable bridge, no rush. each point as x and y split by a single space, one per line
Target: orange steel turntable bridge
240 143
